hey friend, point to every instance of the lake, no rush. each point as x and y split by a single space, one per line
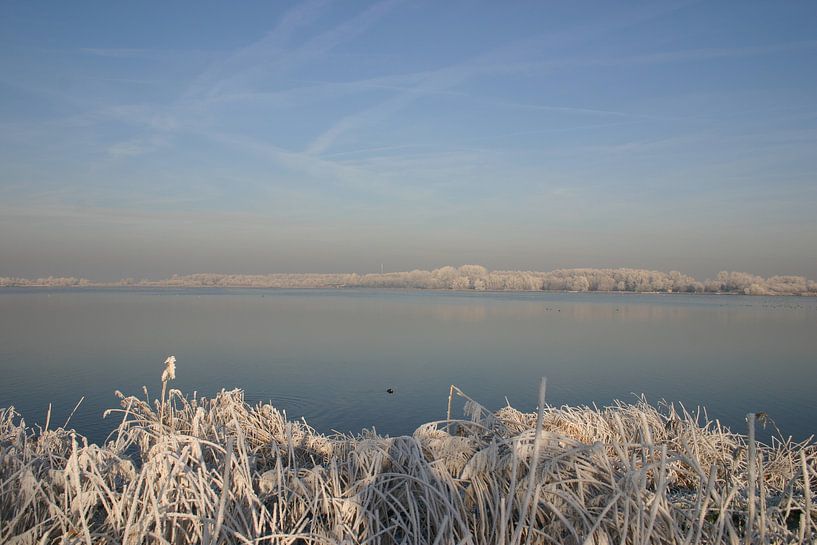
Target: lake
330 355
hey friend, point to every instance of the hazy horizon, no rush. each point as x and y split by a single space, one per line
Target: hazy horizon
150 139
376 271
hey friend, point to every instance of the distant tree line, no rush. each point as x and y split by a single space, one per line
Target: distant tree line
48 282
472 277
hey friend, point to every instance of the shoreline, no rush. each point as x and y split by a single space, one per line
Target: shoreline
136 287
466 278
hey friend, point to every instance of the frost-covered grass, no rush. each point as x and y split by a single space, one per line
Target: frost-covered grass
193 470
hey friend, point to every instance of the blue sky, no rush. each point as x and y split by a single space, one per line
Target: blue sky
156 138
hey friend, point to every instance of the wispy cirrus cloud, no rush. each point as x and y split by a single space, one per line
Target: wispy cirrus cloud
122 53
273 52
136 147
703 54
518 55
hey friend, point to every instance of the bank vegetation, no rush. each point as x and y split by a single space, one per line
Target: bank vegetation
184 470
470 277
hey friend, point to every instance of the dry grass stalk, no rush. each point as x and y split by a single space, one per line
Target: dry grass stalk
185 470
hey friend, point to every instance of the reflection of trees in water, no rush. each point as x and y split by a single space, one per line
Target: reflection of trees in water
459 313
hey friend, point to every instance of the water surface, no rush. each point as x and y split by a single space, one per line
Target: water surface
330 355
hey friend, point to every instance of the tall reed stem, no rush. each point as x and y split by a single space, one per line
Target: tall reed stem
537 438
752 465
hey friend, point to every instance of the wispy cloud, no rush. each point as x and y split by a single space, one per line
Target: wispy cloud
127 149
136 147
122 53
272 53
518 55
360 177
702 54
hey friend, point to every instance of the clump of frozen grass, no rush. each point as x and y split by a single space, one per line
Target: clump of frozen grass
186 470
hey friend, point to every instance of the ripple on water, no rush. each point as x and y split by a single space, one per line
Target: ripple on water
294 405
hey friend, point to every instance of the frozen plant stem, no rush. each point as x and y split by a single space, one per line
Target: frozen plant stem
751 465
168 374
537 438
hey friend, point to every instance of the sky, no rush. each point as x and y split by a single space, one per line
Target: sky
148 139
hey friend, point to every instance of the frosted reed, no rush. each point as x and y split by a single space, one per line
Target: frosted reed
185 470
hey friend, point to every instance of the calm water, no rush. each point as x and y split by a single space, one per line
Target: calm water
329 355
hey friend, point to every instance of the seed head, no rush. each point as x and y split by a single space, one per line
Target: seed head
170 369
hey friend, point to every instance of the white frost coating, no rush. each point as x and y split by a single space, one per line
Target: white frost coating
266 482
219 471
475 277
170 369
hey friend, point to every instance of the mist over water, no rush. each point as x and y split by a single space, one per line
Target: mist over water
330 355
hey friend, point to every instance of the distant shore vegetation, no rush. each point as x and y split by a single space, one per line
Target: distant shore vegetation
469 277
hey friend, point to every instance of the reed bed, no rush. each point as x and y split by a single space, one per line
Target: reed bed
184 470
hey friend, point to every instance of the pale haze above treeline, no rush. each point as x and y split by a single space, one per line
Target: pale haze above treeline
470 277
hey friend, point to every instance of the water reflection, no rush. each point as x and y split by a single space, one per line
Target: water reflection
330 355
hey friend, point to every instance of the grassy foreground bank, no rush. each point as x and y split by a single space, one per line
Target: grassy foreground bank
193 470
